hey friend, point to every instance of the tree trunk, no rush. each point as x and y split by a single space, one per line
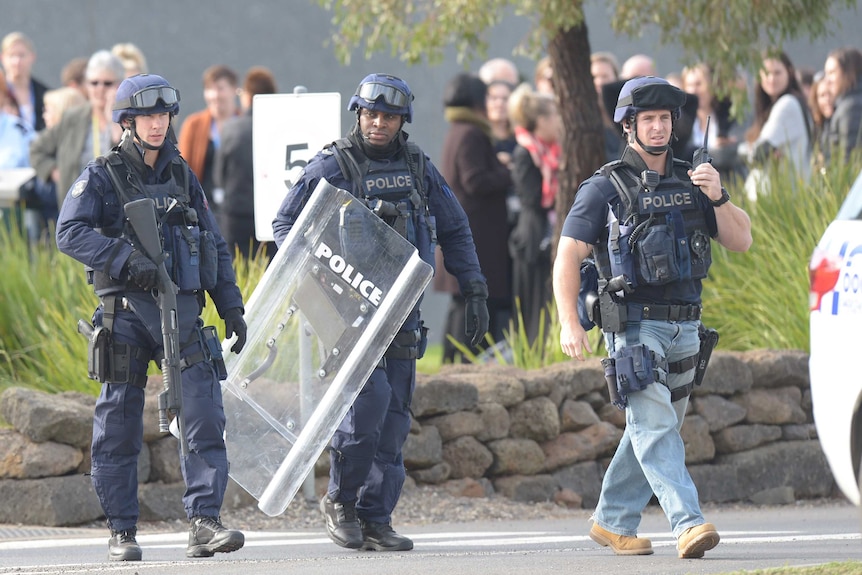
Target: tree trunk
583 141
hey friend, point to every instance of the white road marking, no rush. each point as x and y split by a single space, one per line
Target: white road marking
428 540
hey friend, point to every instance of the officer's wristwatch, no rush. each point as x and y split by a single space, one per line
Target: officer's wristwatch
725 197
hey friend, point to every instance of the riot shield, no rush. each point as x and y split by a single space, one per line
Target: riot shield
320 319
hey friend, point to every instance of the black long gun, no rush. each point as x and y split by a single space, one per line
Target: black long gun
142 217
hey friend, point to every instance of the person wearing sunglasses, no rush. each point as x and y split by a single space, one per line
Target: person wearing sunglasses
83 133
378 164
93 229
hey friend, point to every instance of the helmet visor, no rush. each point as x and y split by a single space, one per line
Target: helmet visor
371 91
149 97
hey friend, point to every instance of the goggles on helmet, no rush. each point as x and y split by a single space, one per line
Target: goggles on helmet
371 91
149 98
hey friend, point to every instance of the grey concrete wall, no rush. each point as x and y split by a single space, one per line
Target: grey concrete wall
181 38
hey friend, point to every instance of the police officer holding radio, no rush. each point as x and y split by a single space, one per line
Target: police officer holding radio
377 163
647 220
93 228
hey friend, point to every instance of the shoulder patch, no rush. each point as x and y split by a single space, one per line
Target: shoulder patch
78 188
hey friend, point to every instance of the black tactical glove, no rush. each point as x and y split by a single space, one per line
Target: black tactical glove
476 312
234 323
143 271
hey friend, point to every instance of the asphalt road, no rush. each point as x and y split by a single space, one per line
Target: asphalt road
752 538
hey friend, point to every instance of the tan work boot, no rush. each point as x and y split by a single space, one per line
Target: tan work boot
697 540
621 544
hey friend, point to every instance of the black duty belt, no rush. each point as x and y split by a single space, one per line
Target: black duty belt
637 311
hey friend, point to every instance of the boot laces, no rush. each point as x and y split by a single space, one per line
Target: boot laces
211 523
346 513
126 536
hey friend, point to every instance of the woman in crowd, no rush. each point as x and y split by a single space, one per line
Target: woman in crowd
843 70
15 133
498 116
822 106
535 164
502 134
481 183
132 57
15 136
17 54
605 70
722 142
543 76
782 126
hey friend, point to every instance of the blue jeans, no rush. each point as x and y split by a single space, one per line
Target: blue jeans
650 458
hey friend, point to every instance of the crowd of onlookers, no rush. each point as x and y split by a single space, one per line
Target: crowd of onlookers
500 157
58 131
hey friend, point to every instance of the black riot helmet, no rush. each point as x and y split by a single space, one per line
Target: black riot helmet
648 93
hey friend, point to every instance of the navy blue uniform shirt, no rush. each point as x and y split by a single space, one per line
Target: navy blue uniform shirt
92 204
453 229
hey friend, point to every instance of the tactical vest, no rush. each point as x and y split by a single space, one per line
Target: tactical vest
658 236
394 189
192 254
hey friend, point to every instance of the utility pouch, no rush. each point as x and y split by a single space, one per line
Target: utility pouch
409 222
405 345
209 260
611 379
426 237
98 350
656 254
708 341
185 257
619 251
121 363
635 369
423 340
213 346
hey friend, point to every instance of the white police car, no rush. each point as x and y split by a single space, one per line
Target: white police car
835 303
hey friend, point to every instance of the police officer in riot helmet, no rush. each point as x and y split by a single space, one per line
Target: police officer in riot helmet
377 163
646 221
93 229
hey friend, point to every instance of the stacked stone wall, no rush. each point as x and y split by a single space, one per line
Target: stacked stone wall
537 435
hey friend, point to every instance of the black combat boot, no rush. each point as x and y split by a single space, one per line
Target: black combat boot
342 524
208 536
381 537
122 545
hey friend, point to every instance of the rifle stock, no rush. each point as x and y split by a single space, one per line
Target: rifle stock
142 217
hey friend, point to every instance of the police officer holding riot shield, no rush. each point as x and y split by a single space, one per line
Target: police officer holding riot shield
647 220
94 229
377 163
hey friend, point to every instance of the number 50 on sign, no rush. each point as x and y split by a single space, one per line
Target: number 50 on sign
288 130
